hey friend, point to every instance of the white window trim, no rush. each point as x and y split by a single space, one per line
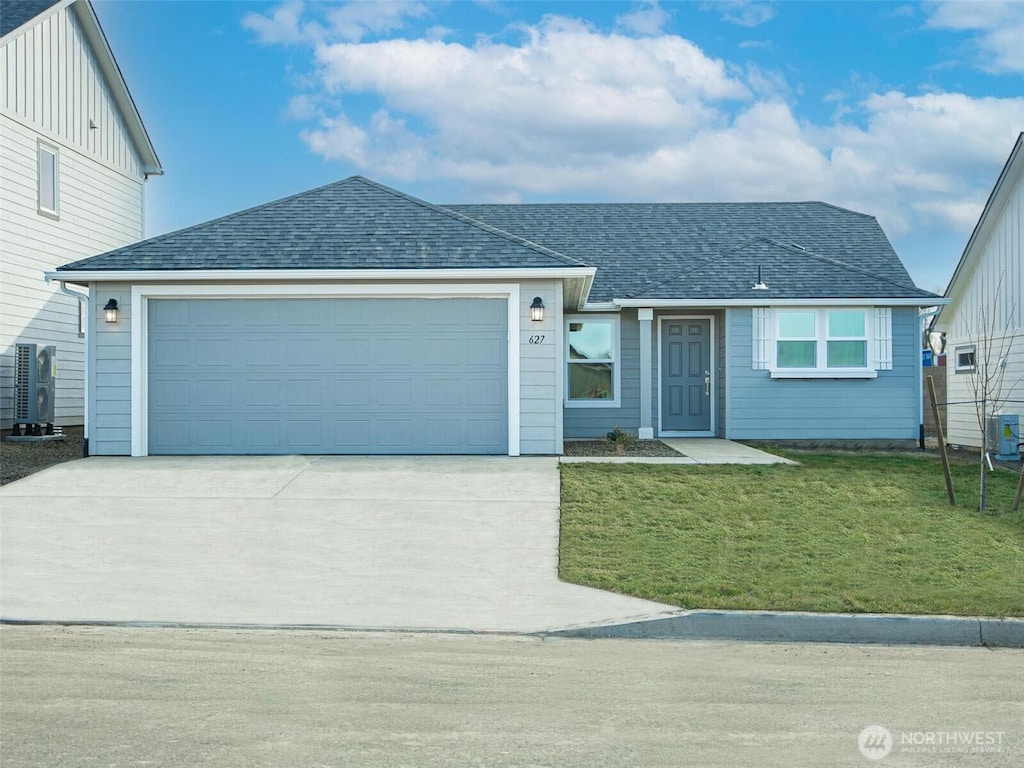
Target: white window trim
53 212
959 350
821 369
616 361
140 330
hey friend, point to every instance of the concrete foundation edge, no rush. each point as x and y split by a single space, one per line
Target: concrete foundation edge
756 626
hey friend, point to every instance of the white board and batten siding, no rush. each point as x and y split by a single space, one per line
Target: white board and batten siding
540 351
52 91
989 280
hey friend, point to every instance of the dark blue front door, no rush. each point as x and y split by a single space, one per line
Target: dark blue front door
686 376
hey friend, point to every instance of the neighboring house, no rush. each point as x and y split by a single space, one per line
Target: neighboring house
74 156
356 319
987 292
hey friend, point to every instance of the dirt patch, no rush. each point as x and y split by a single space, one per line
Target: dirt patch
18 460
648 448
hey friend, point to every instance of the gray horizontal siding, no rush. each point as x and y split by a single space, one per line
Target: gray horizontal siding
110 428
762 408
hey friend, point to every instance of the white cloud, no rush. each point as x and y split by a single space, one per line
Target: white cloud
353 20
998 28
566 91
284 24
743 13
573 112
920 157
648 19
350 21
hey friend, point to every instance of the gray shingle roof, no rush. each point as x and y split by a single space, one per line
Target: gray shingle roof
713 250
14 13
790 273
351 224
641 250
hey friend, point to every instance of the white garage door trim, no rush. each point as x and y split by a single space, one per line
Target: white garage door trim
140 329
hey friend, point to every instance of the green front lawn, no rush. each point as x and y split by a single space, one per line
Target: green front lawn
840 532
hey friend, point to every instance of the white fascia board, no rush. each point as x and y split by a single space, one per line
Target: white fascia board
689 303
1009 177
118 87
311 275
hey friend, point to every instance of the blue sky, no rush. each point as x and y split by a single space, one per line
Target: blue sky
906 111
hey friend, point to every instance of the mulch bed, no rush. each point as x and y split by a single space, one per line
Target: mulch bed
18 460
647 448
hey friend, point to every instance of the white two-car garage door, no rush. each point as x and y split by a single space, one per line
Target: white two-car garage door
323 376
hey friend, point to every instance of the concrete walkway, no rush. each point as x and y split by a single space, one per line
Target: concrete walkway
409 542
692 450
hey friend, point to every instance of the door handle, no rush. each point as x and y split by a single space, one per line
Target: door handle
707 383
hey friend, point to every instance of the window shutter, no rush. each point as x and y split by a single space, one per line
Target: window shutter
883 338
761 336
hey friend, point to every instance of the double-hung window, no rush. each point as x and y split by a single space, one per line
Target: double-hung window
826 342
49 180
592 361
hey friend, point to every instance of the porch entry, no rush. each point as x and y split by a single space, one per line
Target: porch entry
686 375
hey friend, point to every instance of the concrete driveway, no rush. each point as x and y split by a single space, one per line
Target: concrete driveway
406 542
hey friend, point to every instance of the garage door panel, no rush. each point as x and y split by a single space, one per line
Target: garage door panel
171 393
485 352
416 384
353 435
213 393
262 392
215 433
485 392
352 392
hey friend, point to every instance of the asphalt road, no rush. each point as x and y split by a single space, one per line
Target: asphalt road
158 697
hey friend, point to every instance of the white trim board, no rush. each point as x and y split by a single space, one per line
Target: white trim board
140 330
245 276
762 301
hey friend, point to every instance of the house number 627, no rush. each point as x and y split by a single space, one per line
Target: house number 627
537 339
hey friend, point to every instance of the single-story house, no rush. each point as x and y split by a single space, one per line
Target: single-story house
354 318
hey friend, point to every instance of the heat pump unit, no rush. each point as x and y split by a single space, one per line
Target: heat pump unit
35 377
1004 436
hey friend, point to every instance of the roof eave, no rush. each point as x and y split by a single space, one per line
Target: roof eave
762 301
86 14
86 276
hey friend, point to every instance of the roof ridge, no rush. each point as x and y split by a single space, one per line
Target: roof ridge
211 222
844 265
789 247
483 226
700 263
561 258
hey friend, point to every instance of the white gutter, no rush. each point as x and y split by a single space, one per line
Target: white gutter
309 275
87 357
768 301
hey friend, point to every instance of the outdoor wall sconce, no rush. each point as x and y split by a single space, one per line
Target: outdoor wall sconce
537 309
110 311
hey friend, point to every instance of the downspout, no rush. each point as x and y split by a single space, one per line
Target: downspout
921 315
87 360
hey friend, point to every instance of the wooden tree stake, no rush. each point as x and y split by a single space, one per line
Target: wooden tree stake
942 441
